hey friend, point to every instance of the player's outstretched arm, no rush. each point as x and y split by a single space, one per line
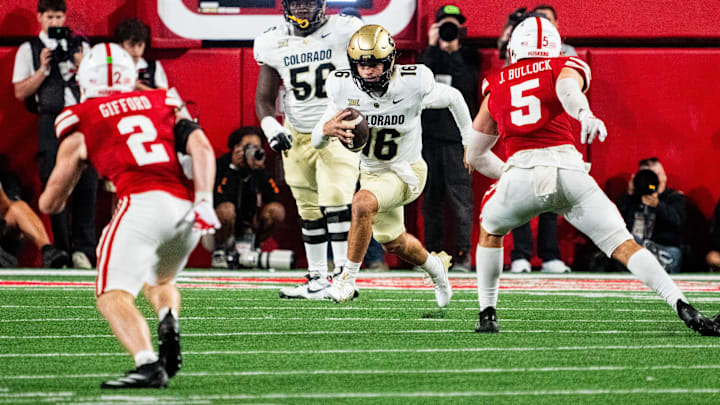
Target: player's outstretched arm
444 96
203 214
266 93
569 91
479 154
68 168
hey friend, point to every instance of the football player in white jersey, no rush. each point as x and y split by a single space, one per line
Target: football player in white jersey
300 55
393 172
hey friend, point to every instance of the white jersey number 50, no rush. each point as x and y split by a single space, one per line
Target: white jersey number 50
142 132
532 103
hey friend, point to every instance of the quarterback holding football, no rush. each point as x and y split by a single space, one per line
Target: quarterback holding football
391 98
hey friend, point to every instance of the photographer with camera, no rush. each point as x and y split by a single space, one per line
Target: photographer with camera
655 214
456 66
245 198
133 35
44 77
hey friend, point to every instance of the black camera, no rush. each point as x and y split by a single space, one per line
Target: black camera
645 182
253 152
450 32
74 44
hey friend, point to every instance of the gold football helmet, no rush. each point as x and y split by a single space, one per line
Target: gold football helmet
368 46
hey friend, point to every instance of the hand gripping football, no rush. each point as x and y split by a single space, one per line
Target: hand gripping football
361 130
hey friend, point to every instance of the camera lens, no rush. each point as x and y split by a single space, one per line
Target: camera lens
448 31
259 154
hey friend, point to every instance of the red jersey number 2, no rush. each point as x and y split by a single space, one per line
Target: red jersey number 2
138 142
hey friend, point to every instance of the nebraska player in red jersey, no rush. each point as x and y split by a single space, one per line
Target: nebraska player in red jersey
530 105
132 138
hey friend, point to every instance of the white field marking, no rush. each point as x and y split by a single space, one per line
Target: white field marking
35 394
346 308
347 351
426 394
50 306
356 332
392 371
270 318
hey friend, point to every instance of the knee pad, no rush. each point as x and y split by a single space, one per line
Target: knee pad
338 221
314 231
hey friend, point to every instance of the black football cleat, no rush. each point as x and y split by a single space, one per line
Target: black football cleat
697 321
54 258
169 344
151 375
487 323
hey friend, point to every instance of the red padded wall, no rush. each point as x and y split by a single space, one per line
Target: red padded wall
659 103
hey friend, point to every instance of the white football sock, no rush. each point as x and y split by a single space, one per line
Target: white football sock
163 311
145 357
339 250
352 268
433 266
646 267
317 259
488 264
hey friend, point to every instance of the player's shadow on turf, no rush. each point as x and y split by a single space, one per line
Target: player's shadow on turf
436 314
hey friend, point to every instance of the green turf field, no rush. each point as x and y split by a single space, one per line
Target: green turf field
388 346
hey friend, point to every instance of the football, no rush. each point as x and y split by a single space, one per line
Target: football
361 130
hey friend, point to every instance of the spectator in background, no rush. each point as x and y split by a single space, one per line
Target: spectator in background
448 180
713 256
44 77
547 241
245 196
18 220
655 214
549 13
134 36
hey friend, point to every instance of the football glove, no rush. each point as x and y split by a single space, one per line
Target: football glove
202 217
592 127
277 135
280 141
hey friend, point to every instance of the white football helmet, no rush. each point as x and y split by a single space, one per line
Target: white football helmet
107 69
534 37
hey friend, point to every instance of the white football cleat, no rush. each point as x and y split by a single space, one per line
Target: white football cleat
314 288
520 266
555 266
343 286
443 291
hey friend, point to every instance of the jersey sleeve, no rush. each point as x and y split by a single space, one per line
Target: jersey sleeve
262 51
581 67
66 123
485 87
427 80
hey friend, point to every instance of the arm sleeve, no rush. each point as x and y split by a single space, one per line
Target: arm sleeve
319 139
571 98
182 131
481 157
443 96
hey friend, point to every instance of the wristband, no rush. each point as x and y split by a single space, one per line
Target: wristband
270 126
203 195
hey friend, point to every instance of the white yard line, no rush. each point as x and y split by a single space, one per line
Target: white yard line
356 332
391 371
271 318
347 351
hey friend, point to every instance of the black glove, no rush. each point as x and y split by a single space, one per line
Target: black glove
280 142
